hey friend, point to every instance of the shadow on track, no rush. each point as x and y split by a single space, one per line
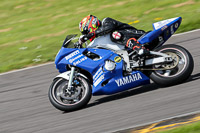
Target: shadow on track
121 95
125 94
135 91
193 77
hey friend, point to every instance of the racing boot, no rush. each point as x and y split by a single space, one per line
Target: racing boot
134 45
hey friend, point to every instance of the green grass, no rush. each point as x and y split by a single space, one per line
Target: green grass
191 128
40 26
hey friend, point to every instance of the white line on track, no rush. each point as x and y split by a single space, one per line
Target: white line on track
187 32
53 62
13 71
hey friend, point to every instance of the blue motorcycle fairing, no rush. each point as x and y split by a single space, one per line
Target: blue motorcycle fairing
61 54
163 29
104 82
76 58
121 83
109 82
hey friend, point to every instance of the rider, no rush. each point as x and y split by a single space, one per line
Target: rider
91 27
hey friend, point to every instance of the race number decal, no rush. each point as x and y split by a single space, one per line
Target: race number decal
116 35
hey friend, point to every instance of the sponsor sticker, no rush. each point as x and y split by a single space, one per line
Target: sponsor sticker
116 35
73 59
117 59
163 28
160 24
76 58
79 61
128 79
72 54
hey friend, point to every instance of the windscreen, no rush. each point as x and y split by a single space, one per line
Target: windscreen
70 40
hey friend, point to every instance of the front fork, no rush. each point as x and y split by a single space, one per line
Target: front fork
71 77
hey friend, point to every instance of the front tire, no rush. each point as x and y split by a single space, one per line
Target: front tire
176 75
70 101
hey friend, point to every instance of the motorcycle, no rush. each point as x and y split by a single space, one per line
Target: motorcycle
105 67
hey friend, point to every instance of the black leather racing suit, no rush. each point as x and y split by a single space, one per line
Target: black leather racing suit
110 25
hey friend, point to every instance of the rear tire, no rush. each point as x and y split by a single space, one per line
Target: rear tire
178 74
69 102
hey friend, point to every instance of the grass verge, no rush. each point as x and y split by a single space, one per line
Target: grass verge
190 128
32 31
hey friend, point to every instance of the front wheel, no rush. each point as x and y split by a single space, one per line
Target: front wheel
182 69
69 100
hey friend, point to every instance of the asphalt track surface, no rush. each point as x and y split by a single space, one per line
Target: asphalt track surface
25 108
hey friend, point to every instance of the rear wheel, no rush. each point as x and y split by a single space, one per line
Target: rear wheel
178 71
69 100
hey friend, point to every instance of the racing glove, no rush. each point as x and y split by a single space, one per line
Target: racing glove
84 38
